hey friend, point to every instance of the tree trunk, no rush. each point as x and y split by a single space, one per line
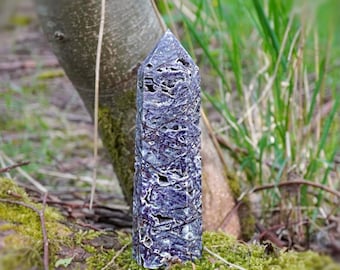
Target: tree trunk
131 31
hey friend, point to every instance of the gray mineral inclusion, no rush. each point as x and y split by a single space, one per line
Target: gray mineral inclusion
167 204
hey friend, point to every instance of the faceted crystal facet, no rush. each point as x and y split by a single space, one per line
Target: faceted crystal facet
167 207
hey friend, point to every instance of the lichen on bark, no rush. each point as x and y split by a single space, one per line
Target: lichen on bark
113 133
247 219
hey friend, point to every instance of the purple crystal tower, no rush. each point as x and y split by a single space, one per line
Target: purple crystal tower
167 207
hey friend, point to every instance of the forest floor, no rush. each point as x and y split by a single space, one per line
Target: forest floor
43 122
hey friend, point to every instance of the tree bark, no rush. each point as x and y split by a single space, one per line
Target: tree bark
131 30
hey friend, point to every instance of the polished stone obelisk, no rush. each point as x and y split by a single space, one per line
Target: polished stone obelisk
167 207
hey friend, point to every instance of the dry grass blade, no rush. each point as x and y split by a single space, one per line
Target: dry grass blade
223 260
108 266
69 176
159 16
96 99
7 169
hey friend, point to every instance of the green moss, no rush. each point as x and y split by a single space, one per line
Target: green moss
246 217
119 145
8 189
21 233
21 237
246 256
50 74
20 20
83 236
100 259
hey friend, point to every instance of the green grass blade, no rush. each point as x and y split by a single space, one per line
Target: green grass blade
268 32
207 53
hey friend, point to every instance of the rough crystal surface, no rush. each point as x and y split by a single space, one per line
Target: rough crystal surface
167 208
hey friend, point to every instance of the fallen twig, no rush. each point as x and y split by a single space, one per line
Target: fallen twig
297 182
223 260
223 141
43 229
3 164
20 164
88 226
229 215
269 235
116 256
213 138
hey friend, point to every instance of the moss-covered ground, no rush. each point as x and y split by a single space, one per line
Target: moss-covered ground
21 241
21 238
243 255
21 244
